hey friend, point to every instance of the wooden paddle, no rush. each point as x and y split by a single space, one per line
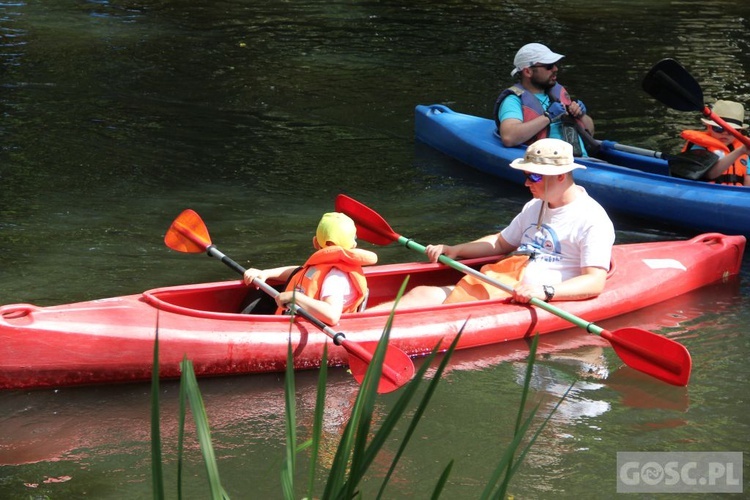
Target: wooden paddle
647 352
671 84
189 234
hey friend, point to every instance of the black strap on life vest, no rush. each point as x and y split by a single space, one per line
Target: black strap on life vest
730 179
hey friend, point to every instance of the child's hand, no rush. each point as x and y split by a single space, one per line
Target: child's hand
252 273
285 298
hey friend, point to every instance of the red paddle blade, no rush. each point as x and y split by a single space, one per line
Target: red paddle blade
398 368
188 233
371 226
652 354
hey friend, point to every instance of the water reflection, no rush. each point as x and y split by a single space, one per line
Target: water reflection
117 115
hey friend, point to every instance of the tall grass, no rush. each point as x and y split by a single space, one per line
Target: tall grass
359 444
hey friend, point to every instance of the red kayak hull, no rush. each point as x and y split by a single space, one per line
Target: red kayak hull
112 340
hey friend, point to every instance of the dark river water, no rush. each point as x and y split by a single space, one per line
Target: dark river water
117 115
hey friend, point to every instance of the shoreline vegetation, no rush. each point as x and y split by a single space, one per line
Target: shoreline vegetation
360 442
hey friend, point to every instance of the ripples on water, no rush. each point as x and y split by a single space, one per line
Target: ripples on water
119 114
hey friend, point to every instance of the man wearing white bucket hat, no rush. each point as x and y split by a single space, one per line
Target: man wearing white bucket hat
558 248
537 106
731 167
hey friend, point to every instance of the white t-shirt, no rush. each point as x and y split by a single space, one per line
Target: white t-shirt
570 237
338 284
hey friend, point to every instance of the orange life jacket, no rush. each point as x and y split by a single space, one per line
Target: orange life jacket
508 271
735 174
309 280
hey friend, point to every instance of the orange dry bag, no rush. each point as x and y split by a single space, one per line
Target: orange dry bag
509 271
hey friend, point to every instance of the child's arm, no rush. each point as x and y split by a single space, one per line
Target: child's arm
327 310
724 163
279 274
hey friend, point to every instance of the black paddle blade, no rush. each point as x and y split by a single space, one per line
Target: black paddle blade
671 84
692 164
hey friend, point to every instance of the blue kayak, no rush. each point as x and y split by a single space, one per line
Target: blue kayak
624 179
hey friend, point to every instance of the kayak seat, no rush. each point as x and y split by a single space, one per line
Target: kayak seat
258 302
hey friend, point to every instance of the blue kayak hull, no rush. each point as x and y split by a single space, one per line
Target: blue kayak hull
621 181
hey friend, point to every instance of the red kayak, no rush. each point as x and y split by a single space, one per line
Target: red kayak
112 340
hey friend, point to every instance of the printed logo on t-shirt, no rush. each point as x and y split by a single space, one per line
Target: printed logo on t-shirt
542 243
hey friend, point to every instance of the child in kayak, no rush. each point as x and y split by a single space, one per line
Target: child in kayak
331 282
731 167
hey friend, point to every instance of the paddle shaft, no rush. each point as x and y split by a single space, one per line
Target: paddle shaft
632 149
338 337
685 157
595 144
212 251
655 355
188 233
736 133
586 325
590 327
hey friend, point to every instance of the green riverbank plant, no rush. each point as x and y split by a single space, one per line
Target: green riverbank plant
359 444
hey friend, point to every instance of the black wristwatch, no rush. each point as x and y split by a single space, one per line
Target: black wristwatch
549 292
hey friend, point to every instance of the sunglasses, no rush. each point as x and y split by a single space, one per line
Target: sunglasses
718 129
548 67
533 178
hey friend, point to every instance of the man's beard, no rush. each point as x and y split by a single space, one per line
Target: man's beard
543 84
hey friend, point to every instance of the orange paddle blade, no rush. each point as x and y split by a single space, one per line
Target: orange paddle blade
188 233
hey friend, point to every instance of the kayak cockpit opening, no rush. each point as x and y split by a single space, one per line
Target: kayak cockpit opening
219 299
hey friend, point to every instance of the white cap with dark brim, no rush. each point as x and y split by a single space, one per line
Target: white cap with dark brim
531 54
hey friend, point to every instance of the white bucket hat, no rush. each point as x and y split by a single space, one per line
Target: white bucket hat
547 157
731 112
531 54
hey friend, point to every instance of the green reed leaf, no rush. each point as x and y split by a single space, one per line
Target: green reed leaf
202 429
288 467
401 406
317 432
441 481
157 472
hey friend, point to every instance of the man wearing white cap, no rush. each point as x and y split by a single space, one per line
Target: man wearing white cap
564 236
731 167
537 106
